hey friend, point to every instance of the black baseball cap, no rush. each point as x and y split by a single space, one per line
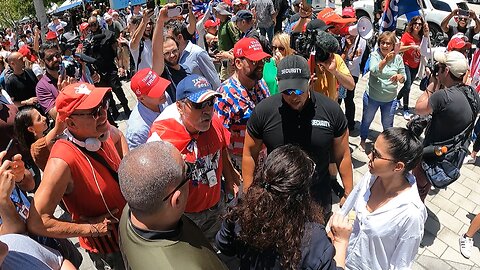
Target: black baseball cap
242 15
318 24
293 73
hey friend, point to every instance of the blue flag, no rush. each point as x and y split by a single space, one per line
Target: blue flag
395 8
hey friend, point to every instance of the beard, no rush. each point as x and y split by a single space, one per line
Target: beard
170 64
53 67
256 74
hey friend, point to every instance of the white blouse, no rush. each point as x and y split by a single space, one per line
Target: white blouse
389 237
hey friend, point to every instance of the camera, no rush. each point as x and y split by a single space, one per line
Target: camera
315 40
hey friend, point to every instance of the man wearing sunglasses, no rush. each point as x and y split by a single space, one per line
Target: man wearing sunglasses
192 127
154 232
81 172
242 92
303 117
463 19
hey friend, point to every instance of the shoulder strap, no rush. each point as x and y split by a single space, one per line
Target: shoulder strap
102 161
140 50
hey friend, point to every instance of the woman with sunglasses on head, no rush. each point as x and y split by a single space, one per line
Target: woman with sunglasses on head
386 71
410 46
278 225
281 48
388 214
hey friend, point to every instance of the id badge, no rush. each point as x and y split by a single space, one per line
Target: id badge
212 178
23 211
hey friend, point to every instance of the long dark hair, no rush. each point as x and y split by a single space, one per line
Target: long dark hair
276 208
409 28
23 120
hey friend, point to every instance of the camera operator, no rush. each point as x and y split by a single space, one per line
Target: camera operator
449 106
101 45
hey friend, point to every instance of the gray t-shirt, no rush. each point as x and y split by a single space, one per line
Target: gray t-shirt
25 253
264 10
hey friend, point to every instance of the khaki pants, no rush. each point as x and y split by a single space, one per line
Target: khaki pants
209 221
226 70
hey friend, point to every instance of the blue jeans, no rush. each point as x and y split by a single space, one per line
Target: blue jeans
267 32
370 107
404 93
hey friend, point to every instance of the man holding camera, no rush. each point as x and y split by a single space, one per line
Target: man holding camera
449 106
101 45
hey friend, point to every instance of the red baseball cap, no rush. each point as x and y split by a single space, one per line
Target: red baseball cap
51 35
211 23
329 16
79 96
249 48
83 26
147 82
348 12
458 43
25 51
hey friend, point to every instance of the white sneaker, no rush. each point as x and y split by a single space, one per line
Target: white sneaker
469 160
407 116
466 245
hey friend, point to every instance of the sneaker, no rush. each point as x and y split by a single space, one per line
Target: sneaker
469 160
466 245
406 115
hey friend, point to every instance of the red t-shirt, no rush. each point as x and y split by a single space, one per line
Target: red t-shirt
203 150
411 57
85 200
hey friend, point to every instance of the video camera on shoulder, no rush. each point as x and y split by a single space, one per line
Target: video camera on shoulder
315 40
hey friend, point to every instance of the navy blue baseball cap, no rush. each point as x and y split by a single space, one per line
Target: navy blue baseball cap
196 89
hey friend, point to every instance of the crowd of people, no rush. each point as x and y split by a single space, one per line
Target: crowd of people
231 153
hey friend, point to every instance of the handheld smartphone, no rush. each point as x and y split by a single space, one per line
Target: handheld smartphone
150 4
11 151
178 10
463 13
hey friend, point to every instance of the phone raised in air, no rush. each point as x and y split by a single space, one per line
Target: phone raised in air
178 10
463 13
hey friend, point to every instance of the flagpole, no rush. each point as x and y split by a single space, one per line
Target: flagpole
425 20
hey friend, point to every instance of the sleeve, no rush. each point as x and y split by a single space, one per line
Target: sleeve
320 253
40 152
254 124
134 53
407 245
352 197
46 99
437 100
207 67
341 66
9 86
339 120
404 39
135 139
374 62
234 32
225 239
224 110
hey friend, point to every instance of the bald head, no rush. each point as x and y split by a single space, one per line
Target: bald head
15 61
148 173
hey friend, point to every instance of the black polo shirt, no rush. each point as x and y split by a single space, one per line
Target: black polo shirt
313 129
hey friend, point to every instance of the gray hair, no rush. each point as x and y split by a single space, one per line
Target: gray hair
145 175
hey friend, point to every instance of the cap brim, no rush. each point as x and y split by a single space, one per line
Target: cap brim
203 95
258 56
234 19
159 89
224 12
94 98
286 84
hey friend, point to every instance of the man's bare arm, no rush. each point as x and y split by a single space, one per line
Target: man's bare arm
251 149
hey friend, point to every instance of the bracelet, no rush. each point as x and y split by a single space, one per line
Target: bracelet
96 233
305 17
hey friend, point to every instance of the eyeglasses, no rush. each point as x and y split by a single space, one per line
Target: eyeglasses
385 43
188 175
50 57
203 105
376 155
96 111
279 48
256 62
289 92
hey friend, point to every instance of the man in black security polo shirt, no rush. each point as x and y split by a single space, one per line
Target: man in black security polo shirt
305 118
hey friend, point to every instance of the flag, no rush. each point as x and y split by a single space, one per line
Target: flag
395 8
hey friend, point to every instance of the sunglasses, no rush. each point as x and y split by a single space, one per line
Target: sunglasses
279 48
376 155
50 57
417 23
96 111
203 105
462 19
188 175
289 92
